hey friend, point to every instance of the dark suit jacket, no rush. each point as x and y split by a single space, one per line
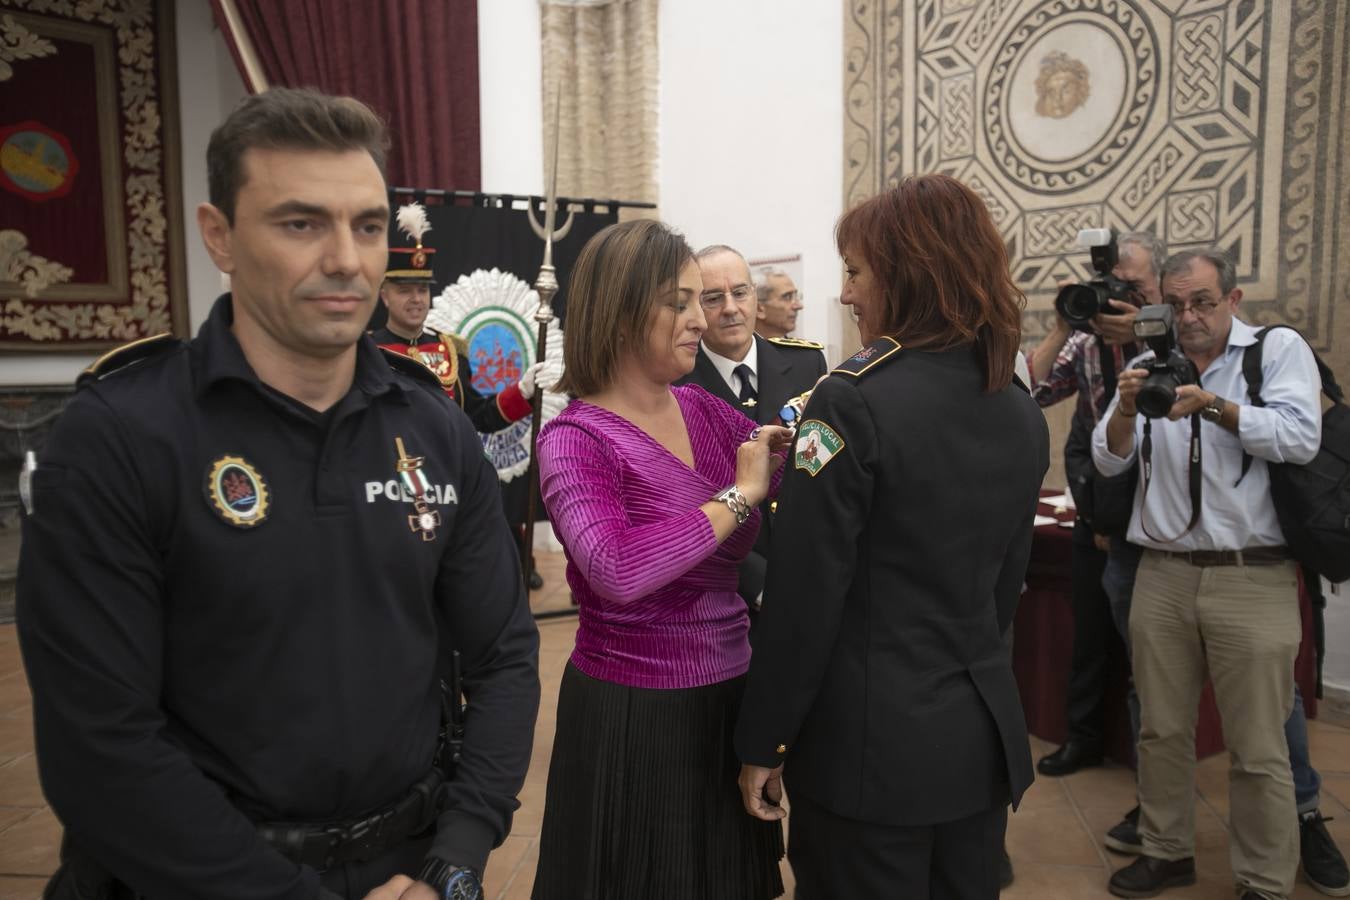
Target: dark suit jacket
903 531
784 371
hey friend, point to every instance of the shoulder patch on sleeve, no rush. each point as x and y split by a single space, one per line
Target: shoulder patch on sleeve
868 357
817 444
795 342
126 355
409 366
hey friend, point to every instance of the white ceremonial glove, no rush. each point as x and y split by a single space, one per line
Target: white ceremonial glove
527 380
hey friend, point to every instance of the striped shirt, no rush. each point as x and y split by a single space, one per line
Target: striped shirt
657 593
1078 369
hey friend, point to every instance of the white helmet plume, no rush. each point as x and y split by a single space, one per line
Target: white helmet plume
412 221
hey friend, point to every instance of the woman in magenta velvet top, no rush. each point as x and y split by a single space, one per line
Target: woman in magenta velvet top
653 491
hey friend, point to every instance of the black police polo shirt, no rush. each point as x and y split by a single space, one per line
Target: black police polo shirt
232 609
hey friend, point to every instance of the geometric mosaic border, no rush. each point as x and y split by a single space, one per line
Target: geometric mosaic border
1204 121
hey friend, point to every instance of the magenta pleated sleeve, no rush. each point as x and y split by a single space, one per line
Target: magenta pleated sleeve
657 593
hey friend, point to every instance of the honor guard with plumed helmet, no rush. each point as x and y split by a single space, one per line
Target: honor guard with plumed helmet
406 293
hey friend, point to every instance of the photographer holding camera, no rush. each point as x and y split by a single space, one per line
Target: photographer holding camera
1091 341
1216 590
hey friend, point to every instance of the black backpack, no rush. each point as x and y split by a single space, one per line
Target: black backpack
1312 501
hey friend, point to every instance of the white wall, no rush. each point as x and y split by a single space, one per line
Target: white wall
751 127
208 88
1336 666
509 86
752 136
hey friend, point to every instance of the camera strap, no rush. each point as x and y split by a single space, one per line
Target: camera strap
1194 471
1106 361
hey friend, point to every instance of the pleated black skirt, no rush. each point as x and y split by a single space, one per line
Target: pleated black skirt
642 799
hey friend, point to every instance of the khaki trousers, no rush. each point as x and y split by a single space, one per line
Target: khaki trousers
1242 625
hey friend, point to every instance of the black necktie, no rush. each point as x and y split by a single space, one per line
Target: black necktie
748 393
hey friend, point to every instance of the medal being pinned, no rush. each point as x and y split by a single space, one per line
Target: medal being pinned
424 520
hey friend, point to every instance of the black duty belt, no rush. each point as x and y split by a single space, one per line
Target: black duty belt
325 846
1252 556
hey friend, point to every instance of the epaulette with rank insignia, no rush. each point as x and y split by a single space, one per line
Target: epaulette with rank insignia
409 366
128 354
795 342
868 358
460 344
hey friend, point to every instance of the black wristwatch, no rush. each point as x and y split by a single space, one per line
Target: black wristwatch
449 881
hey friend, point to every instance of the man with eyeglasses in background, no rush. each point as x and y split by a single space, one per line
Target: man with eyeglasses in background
755 375
1216 590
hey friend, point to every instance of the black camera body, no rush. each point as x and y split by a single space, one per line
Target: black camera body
1169 369
1079 303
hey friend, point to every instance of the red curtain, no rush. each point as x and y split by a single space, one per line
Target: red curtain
415 62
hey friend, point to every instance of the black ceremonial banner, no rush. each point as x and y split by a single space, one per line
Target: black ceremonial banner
467 238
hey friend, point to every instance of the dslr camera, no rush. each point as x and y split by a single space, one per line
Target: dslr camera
1169 369
1078 303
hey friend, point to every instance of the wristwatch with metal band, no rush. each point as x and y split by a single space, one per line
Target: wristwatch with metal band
1213 411
451 882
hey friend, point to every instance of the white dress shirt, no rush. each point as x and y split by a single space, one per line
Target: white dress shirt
1233 515
726 367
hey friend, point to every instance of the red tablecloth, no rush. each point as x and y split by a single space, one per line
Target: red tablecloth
1043 650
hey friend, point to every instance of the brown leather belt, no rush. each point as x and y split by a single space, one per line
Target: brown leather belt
1252 556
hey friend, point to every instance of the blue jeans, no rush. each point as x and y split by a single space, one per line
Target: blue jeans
1118 582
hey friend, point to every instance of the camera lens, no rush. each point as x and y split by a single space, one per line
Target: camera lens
1156 397
1078 303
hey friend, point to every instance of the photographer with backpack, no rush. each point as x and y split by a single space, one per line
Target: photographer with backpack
1217 586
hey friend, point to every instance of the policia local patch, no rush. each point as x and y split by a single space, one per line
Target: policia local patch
817 444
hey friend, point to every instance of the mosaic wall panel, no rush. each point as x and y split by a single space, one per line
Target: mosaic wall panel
1203 121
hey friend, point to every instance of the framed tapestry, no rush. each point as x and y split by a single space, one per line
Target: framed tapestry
91 234
1202 121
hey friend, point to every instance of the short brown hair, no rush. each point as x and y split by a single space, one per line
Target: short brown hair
289 119
941 268
615 284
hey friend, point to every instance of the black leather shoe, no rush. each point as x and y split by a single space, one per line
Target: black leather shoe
536 580
1149 876
1005 870
1069 759
1124 838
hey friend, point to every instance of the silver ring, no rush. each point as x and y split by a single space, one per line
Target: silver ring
754 435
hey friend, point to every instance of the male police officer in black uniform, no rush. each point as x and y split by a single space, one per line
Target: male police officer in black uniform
753 374
248 560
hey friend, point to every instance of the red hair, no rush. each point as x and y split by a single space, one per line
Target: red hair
941 270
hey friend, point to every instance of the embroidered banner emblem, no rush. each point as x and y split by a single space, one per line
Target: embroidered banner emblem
236 492
817 444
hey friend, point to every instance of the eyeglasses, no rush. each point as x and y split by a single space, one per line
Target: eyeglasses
1201 308
714 300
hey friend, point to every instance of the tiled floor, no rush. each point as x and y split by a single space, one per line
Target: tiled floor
1054 838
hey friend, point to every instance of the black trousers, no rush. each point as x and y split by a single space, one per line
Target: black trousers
835 858
1093 632
79 878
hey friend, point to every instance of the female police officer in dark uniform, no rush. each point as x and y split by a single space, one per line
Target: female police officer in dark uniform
880 686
